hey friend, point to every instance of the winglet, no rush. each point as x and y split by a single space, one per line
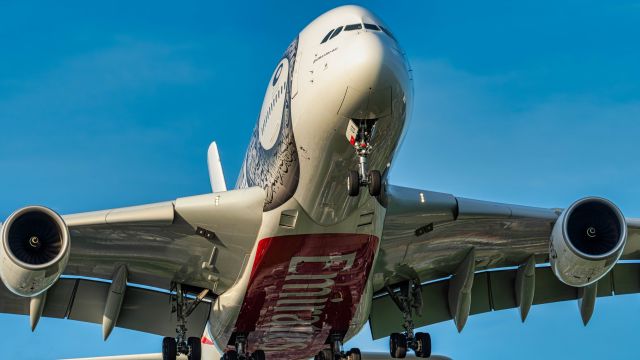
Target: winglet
216 176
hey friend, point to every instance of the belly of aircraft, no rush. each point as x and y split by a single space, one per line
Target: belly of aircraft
303 288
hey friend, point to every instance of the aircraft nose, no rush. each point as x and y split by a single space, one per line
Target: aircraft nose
375 72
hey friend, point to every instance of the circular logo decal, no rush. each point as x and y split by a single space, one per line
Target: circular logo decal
273 106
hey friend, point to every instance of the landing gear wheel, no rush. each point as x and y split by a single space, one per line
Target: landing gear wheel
230 355
354 354
325 354
398 345
169 349
353 183
195 348
375 183
423 340
258 355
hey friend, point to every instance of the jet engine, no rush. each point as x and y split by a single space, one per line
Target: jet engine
34 251
586 241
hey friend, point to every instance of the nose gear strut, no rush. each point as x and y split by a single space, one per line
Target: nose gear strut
408 300
360 136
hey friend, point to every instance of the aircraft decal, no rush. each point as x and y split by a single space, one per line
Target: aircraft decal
303 287
272 158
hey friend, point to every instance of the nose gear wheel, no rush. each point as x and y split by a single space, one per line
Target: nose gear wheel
363 177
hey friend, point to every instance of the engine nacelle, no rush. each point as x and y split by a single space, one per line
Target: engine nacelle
34 250
587 240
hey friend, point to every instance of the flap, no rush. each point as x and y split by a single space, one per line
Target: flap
84 300
495 290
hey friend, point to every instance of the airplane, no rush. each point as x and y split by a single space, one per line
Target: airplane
313 242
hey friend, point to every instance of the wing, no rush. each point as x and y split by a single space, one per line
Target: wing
200 242
455 246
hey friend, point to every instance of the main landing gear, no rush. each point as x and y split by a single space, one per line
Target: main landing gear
363 177
409 300
336 352
241 353
181 344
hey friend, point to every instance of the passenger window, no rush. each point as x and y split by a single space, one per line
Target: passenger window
326 37
371 27
335 33
353 27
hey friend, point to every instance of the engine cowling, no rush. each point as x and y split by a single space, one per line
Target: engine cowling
587 240
34 250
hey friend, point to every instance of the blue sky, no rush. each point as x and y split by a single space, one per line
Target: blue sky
114 104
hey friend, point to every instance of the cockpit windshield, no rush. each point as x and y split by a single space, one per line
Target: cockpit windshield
352 27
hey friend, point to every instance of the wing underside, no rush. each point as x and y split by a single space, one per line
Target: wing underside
141 254
464 250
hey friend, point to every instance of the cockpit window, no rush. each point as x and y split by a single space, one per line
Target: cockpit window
335 33
353 27
388 33
327 37
371 27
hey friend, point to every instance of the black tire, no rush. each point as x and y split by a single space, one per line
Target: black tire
231 355
325 354
375 183
398 346
169 349
259 355
424 345
354 354
353 183
195 348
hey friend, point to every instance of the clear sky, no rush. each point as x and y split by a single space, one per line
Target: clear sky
112 104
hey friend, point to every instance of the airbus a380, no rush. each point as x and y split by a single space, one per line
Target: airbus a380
313 242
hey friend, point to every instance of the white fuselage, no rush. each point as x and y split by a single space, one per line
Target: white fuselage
314 237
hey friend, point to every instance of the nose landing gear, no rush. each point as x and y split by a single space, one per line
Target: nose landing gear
409 300
359 136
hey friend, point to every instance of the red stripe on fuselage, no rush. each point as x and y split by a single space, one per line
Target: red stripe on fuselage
302 288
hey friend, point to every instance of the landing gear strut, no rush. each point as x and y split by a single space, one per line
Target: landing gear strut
181 344
363 176
241 353
409 300
336 352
